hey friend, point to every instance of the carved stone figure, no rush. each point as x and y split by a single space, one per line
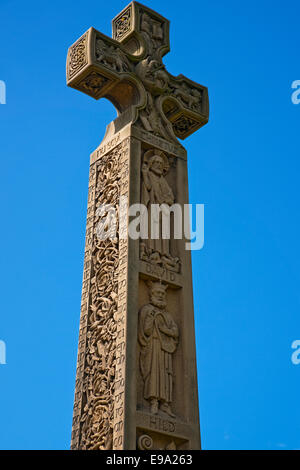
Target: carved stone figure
151 119
156 190
111 57
152 29
190 97
146 23
158 337
153 75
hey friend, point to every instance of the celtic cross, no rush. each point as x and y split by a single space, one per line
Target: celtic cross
136 380
128 70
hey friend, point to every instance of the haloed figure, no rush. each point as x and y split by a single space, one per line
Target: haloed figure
158 338
155 190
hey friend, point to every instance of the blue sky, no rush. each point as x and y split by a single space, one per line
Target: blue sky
244 166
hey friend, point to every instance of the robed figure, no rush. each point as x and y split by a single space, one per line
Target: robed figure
158 338
156 193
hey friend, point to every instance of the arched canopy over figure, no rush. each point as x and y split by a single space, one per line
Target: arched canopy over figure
157 192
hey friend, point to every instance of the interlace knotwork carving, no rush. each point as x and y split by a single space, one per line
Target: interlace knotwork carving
78 56
98 389
122 24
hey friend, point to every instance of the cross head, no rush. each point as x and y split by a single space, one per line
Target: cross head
128 70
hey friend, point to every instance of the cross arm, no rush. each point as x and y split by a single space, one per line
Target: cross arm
100 67
185 104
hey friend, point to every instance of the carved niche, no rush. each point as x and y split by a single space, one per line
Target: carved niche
158 337
155 190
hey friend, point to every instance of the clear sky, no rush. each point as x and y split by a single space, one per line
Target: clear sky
244 166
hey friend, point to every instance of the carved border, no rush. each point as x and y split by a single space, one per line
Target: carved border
101 331
77 56
122 24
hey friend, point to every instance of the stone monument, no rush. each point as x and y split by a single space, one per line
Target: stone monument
136 383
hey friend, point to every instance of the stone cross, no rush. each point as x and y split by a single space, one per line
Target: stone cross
136 382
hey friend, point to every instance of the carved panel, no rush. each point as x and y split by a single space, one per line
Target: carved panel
121 313
155 190
122 24
110 56
98 356
151 119
153 31
77 58
184 126
189 96
158 336
93 83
